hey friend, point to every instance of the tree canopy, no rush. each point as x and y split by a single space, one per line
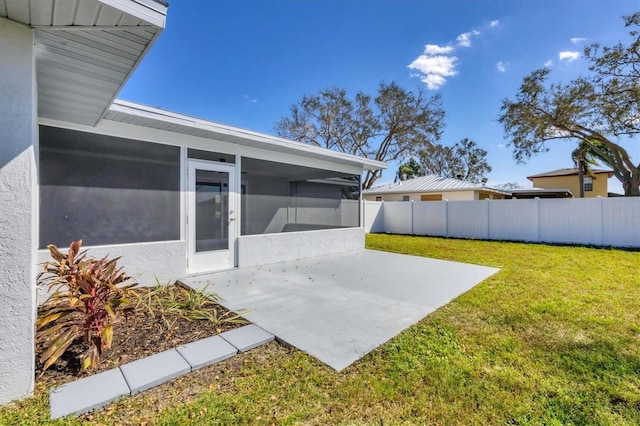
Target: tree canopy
409 170
393 125
508 186
595 110
464 160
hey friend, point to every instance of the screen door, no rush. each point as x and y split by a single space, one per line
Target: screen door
210 216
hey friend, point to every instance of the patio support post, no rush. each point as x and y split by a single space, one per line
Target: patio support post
18 212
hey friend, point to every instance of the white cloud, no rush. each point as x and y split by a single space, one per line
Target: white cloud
501 145
500 66
548 64
434 49
433 81
578 40
437 62
568 56
464 39
434 69
249 99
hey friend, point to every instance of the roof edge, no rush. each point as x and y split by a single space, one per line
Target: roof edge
152 11
372 191
559 173
136 109
143 54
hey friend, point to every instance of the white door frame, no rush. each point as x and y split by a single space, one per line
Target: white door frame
209 261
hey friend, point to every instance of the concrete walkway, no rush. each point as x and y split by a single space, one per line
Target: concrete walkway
338 308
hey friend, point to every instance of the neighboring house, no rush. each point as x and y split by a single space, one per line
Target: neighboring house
171 194
432 188
595 184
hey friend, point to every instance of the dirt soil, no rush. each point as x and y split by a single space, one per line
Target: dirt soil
138 335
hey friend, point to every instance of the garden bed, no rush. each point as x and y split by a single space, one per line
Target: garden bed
149 328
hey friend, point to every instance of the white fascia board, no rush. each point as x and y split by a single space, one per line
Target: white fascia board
150 11
298 148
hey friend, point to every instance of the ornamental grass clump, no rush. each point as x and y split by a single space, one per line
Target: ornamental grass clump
170 302
88 294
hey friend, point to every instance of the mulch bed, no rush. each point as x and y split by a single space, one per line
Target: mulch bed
137 336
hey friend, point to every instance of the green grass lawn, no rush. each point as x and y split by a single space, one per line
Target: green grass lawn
553 338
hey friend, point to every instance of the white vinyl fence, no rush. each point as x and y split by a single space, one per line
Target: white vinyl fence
591 221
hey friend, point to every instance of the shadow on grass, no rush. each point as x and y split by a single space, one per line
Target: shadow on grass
598 379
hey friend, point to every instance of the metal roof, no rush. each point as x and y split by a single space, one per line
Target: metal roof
85 50
567 172
429 183
145 116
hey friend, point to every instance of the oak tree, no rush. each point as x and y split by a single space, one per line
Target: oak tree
464 160
393 125
595 110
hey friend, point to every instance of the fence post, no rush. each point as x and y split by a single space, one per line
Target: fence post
363 215
411 217
538 237
601 219
488 219
446 218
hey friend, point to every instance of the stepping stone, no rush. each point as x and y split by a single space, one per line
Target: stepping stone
152 371
87 394
206 351
247 337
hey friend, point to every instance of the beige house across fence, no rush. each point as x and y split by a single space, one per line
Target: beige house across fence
595 183
432 188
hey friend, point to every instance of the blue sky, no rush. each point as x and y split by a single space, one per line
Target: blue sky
244 62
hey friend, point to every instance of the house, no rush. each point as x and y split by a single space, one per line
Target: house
172 194
432 188
595 184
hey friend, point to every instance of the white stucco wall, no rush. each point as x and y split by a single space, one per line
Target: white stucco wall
18 224
144 262
254 250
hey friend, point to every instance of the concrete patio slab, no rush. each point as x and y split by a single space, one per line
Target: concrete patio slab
207 351
152 371
87 394
338 308
247 337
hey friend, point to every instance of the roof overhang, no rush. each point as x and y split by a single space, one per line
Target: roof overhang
542 193
609 174
86 50
373 191
154 118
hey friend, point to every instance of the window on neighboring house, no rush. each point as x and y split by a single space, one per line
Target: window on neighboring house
431 197
378 198
588 183
405 198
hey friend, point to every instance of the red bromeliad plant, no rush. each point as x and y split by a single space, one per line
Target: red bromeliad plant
88 294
